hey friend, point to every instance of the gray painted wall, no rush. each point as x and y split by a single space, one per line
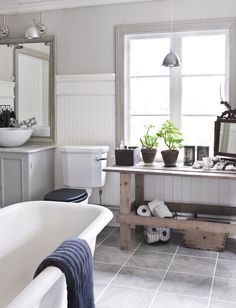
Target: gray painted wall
85 37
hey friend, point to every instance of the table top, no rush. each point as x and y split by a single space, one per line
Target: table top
180 170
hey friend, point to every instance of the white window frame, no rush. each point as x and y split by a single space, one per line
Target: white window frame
123 33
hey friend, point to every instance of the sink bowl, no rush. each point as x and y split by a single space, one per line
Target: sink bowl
14 137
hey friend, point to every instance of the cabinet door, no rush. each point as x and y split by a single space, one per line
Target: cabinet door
12 181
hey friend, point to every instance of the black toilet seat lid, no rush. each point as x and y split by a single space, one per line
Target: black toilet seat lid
67 195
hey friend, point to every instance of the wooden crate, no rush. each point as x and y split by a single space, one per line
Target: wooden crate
205 240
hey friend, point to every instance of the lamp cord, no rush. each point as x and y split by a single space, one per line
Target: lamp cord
171 15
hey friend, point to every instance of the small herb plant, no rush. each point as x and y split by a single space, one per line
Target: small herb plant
149 141
171 136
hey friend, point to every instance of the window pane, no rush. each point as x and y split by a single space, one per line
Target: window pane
146 56
149 95
137 126
198 131
201 95
203 54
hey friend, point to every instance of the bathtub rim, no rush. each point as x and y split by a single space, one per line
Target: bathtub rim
38 287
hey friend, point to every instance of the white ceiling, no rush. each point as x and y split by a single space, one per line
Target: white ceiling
26 6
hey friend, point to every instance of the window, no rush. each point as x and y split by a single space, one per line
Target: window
188 95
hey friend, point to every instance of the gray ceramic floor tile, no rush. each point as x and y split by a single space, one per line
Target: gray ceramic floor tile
217 304
186 284
112 255
230 250
114 239
224 289
108 230
226 269
193 265
150 260
98 288
141 278
100 238
196 252
118 297
169 247
158 247
104 272
168 300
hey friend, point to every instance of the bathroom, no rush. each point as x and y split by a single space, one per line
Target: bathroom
84 112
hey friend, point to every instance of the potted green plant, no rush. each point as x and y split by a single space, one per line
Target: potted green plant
149 145
173 139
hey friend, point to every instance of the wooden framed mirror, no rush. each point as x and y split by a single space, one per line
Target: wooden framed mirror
28 67
225 134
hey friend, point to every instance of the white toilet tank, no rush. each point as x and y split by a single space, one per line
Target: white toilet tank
82 165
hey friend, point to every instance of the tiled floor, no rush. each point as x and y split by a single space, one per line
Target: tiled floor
162 276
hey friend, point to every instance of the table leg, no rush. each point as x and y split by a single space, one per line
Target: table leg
139 196
125 208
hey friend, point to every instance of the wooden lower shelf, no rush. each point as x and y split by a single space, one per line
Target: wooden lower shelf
178 223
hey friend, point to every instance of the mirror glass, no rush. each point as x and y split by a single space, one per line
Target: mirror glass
227 138
27 66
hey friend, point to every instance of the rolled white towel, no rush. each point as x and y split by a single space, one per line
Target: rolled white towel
159 209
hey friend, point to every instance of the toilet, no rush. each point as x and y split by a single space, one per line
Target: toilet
82 170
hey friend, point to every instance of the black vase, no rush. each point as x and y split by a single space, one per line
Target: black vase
149 155
170 157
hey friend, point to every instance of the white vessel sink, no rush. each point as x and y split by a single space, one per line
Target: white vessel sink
14 137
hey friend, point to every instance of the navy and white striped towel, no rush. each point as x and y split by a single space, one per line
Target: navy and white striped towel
73 257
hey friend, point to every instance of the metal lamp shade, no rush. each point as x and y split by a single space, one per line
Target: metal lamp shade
171 60
32 33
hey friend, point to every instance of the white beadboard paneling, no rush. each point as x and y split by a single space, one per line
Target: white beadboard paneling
154 187
195 191
110 193
187 189
232 192
214 191
168 188
205 191
177 188
224 192
85 120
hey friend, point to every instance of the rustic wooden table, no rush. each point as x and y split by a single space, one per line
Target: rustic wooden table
126 218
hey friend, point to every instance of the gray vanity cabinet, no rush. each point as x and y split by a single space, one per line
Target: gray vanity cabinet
26 173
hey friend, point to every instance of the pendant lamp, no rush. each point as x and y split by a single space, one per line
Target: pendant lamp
171 59
36 29
32 32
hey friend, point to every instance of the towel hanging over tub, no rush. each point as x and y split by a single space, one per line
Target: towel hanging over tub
73 257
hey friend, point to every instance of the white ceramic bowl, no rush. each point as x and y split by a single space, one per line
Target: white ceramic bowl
14 137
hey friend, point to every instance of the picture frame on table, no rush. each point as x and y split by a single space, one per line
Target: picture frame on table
189 155
202 151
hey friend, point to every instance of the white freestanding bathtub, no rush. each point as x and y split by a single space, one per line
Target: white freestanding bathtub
30 231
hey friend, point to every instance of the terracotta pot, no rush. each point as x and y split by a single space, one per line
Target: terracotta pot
148 155
170 157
